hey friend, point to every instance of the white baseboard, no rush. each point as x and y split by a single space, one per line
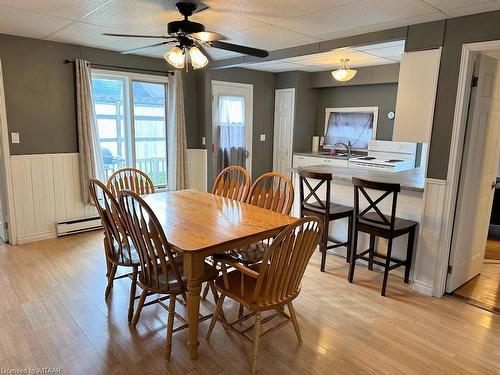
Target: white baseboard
36 237
422 288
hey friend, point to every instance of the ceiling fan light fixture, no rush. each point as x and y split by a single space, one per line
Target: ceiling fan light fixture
175 57
344 73
198 59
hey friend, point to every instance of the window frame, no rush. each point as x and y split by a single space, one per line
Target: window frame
129 78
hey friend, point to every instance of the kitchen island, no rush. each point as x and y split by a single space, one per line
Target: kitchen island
409 201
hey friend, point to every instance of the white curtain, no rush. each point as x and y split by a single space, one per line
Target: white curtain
355 127
176 135
231 131
89 151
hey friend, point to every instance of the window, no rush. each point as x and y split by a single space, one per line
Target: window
131 120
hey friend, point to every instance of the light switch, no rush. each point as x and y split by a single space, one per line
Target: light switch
203 141
15 137
262 137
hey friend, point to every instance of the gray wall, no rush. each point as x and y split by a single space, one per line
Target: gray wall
263 113
305 107
40 91
382 96
456 32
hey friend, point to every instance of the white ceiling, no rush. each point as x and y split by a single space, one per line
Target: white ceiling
268 24
374 54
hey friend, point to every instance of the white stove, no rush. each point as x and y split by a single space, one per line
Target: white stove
387 156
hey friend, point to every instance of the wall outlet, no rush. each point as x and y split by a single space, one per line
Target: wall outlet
262 137
15 137
203 141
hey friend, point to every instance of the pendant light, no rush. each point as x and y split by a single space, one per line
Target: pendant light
344 73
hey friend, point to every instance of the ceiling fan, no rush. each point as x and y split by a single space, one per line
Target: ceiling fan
190 38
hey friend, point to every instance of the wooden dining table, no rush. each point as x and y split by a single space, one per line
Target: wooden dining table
199 224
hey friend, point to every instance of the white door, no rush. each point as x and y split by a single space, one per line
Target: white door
232 114
4 160
284 103
479 169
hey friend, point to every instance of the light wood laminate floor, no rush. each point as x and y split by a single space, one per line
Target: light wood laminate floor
53 315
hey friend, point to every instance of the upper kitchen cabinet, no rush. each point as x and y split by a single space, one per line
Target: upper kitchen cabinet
418 77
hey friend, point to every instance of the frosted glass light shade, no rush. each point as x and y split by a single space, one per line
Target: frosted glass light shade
175 57
198 59
344 73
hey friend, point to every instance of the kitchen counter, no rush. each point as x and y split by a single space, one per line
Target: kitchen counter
410 179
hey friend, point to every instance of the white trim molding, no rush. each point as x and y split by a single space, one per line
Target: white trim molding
5 155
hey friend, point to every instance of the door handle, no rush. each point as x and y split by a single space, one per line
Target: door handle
495 185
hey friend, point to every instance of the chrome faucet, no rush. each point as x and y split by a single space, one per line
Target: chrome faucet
347 146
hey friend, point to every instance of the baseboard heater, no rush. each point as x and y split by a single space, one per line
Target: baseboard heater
67 227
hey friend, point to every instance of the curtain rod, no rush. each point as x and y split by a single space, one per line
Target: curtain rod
168 72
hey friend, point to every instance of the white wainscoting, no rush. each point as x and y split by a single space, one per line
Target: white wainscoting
46 190
197 169
430 241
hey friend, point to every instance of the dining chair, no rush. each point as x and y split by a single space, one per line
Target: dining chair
275 283
371 220
272 191
312 205
130 178
232 182
120 252
161 268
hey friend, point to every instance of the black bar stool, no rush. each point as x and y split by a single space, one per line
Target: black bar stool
326 211
372 221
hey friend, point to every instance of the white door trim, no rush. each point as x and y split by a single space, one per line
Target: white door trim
248 130
5 145
456 148
290 156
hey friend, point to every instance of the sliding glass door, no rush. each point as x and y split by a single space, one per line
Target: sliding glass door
131 120
150 136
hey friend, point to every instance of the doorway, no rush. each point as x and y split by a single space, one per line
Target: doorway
232 127
472 276
4 170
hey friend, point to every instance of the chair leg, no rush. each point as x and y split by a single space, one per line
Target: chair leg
111 277
387 265
354 250
217 311
372 252
409 255
240 311
139 308
205 291
170 326
133 287
256 341
294 321
349 240
324 244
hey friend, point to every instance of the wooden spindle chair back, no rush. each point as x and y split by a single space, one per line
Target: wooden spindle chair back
156 256
132 179
113 222
232 182
284 263
312 197
272 191
373 207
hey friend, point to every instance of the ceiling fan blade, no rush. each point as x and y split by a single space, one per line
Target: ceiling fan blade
240 49
137 36
141 48
207 36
